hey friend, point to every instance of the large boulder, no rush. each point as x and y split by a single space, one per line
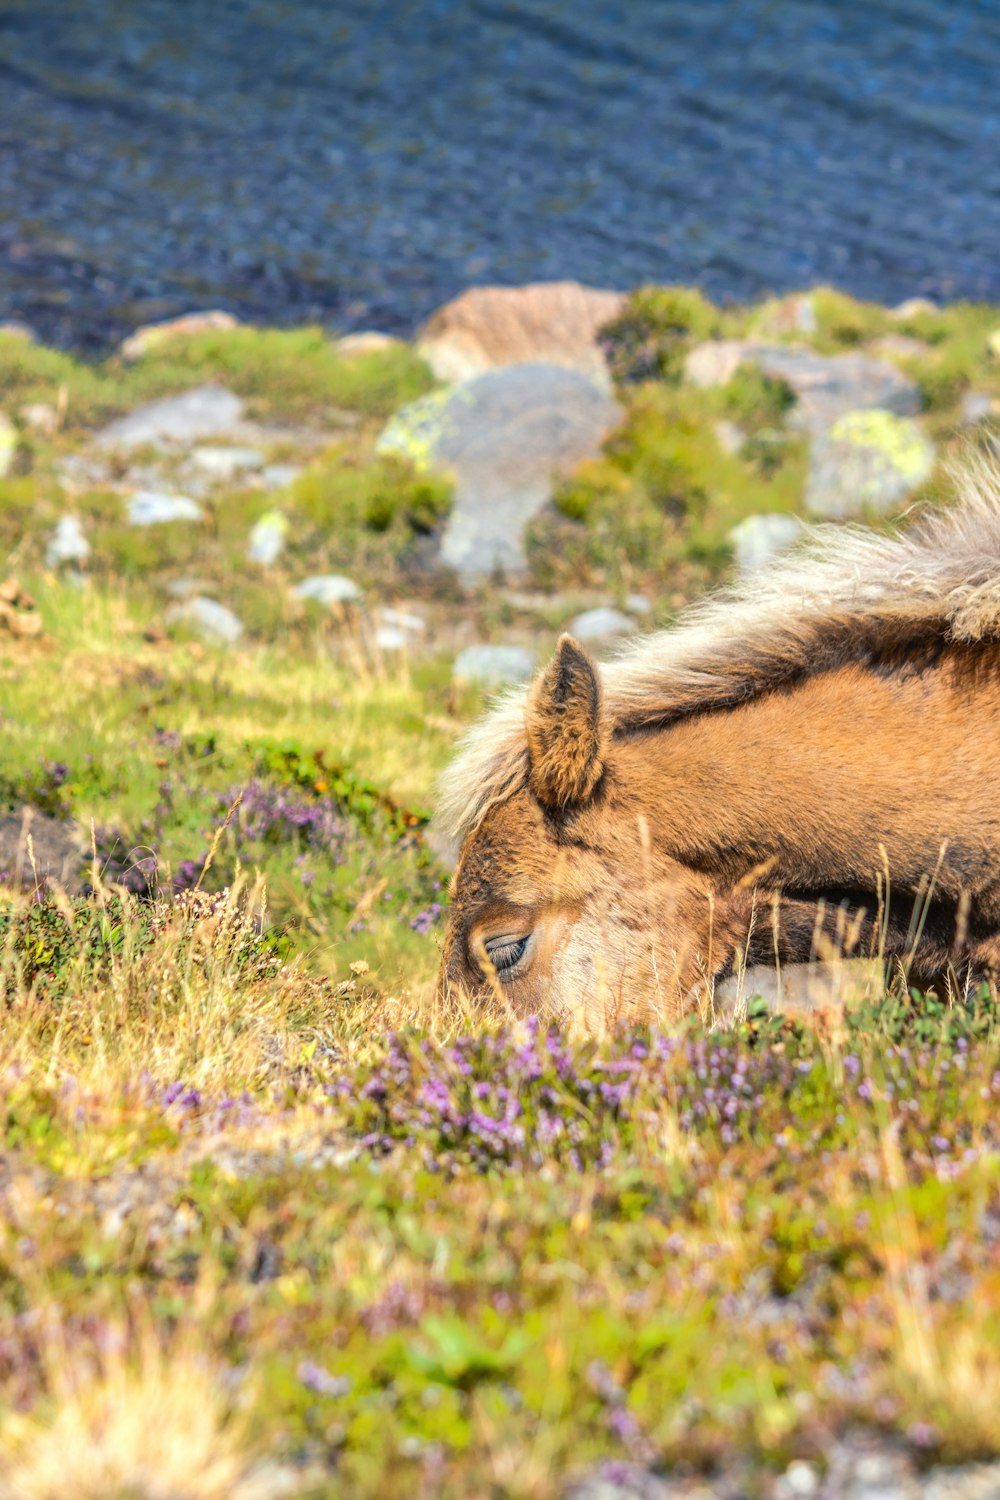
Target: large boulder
826 387
503 436
206 412
487 327
867 461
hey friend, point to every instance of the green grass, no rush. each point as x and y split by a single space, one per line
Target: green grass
285 376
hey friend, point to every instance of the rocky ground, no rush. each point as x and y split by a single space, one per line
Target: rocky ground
256 585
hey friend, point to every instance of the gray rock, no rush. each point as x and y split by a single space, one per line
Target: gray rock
267 539
391 638
208 618
976 407
826 387
637 604
208 411
328 589
40 417
401 619
156 508
78 472
799 1481
56 851
8 444
715 363
913 307
964 1482
224 463
503 436
68 544
183 588
868 460
730 436
759 538
488 327
153 336
829 387
492 666
600 624
898 346
397 629
279 476
869 1469
629 1481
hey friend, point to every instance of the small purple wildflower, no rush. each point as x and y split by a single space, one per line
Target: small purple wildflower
321 1382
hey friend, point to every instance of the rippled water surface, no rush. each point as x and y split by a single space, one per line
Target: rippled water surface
360 162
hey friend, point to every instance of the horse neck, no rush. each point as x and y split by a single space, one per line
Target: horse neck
824 783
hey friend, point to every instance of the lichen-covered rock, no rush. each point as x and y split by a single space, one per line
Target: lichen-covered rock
206 412
868 460
503 437
826 387
553 322
267 539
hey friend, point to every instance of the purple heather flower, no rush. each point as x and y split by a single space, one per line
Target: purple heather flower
425 920
316 1379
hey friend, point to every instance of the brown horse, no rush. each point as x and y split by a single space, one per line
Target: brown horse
808 762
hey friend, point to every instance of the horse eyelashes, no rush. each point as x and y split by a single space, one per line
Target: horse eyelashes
506 955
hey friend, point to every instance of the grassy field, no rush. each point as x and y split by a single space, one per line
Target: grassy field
271 1222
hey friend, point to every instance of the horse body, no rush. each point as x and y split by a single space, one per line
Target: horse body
827 781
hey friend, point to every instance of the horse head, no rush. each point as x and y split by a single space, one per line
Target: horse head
561 901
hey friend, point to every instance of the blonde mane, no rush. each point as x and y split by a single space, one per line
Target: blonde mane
844 594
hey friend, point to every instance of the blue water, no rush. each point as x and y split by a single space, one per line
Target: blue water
360 162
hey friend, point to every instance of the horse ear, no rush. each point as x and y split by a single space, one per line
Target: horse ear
567 739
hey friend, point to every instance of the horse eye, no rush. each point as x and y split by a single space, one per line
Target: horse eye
505 953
